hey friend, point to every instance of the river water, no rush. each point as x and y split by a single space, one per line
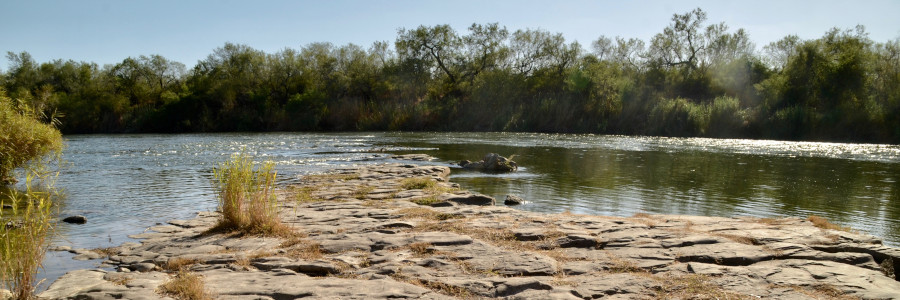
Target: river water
126 183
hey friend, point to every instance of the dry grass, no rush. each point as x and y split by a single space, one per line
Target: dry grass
621 265
645 219
421 249
425 213
120 279
818 291
437 287
428 185
185 286
771 221
746 240
301 248
180 264
825 224
693 286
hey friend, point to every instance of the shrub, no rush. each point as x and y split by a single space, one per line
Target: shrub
23 138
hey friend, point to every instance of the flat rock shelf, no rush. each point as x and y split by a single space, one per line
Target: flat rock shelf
403 231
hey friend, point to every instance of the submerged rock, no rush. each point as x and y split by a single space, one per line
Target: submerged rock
492 162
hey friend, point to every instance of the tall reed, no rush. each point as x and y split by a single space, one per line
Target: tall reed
24 230
246 197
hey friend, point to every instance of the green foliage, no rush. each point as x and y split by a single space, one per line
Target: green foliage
24 137
841 86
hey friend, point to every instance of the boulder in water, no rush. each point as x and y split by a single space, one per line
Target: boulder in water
492 162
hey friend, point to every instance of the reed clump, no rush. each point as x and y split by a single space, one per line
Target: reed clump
247 199
24 231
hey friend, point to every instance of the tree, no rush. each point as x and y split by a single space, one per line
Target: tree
439 46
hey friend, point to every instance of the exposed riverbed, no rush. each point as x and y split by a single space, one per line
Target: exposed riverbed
125 183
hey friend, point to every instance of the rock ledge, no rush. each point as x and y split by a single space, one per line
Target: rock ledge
362 235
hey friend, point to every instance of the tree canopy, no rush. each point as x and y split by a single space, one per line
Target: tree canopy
694 78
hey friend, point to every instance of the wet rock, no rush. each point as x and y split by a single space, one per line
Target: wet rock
513 200
492 162
467 199
75 219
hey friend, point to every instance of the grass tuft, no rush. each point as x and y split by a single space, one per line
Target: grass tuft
185 286
246 198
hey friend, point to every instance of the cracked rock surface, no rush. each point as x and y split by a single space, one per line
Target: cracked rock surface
369 233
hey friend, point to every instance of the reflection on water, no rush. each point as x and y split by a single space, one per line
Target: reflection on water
852 184
126 183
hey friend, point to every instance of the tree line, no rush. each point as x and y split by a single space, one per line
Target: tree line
694 78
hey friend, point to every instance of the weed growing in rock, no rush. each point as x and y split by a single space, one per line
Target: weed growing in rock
246 197
186 286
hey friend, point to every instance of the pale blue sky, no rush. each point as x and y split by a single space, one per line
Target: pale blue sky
107 31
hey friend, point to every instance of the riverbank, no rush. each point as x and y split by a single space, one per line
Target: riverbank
372 232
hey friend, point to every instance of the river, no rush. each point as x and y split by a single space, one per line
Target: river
126 183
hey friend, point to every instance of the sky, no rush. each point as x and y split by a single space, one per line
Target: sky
107 31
